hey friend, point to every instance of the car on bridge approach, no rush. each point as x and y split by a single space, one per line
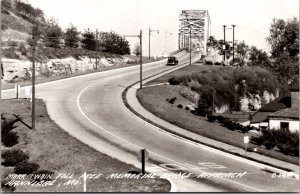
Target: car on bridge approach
172 61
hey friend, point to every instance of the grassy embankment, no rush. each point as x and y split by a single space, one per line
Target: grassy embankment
15 45
155 98
56 151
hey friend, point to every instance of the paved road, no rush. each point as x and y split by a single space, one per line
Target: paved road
90 108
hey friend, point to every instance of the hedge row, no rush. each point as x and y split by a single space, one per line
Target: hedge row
231 125
286 141
9 138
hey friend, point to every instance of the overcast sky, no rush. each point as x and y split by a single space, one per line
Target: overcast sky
127 17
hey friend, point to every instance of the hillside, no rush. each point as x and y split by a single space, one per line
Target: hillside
17 19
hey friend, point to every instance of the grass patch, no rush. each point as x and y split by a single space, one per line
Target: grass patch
56 151
188 70
154 100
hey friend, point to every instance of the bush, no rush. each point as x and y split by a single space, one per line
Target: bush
10 139
284 148
295 150
218 63
26 168
257 140
211 118
179 106
7 126
208 63
5 187
269 144
13 157
187 108
174 81
172 100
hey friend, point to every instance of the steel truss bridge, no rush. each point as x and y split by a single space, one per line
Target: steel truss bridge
194 24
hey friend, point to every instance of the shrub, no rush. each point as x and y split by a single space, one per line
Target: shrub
218 63
295 150
208 63
211 118
257 140
7 126
5 187
269 144
10 139
187 108
174 81
26 168
172 100
13 157
179 106
284 148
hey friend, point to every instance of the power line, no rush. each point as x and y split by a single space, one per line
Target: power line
252 30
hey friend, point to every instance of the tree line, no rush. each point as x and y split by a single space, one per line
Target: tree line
51 34
282 60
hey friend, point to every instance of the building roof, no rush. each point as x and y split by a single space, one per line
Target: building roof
259 117
292 113
278 104
236 116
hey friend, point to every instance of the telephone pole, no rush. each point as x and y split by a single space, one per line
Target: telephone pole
150 36
190 45
233 26
140 36
224 46
96 48
34 38
141 58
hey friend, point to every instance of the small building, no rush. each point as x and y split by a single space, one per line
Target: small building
260 118
289 117
283 112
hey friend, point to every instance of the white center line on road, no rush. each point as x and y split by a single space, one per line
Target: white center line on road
98 126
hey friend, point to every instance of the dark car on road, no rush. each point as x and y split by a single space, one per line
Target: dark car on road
172 61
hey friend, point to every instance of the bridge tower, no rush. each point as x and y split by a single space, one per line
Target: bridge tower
199 22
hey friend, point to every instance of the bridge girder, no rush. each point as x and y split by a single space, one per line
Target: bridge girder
196 23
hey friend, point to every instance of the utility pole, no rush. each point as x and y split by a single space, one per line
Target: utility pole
233 26
140 36
34 38
190 45
149 38
141 58
96 48
224 47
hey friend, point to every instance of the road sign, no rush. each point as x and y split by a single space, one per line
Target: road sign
246 139
140 155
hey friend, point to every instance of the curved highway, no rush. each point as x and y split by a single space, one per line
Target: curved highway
90 108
